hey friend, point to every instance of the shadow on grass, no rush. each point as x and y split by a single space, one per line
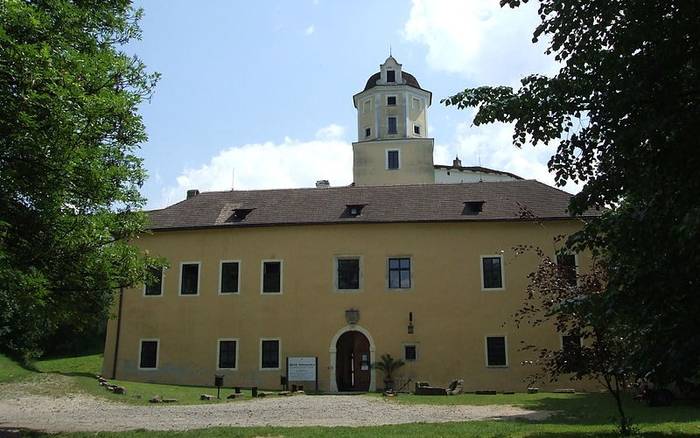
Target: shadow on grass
600 410
608 434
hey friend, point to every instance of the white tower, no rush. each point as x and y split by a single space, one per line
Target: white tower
392 129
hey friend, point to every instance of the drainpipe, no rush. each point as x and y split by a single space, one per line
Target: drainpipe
119 329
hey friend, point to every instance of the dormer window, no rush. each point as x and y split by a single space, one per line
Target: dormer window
353 210
391 100
390 76
473 207
239 214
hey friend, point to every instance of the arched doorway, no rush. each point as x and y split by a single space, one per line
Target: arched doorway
353 362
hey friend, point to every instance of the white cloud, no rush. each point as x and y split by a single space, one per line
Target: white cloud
492 146
291 163
309 30
478 38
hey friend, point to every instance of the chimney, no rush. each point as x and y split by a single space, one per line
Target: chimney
192 193
322 184
457 162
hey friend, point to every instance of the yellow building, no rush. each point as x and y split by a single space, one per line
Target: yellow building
401 262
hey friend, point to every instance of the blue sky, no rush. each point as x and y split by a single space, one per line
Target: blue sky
266 88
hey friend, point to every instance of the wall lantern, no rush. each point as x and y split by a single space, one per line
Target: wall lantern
352 316
410 323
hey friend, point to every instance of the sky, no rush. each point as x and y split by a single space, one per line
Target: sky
258 95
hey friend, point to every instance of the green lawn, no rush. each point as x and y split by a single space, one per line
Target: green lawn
10 371
80 374
481 429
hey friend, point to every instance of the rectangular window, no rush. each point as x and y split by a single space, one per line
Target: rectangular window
400 273
154 282
492 272
391 100
189 279
416 129
368 131
348 273
148 357
270 354
366 106
567 267
229 278
227 354
392 125
496 351
569 342
390 76
392 159
272 277
410 353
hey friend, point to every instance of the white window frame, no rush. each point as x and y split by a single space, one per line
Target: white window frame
336 258
221 272
386 158
279 354
403 351
162 286
262 276
395 97
486 350
387 283
199 278
503 273
157 341
218 354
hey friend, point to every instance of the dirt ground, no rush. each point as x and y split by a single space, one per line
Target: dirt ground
84 413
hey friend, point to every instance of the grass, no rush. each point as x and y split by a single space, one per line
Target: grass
11 371
485 429
576 415
79 376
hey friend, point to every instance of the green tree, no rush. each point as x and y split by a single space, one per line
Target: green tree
624 113
69 176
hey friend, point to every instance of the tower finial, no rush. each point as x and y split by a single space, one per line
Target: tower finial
389 50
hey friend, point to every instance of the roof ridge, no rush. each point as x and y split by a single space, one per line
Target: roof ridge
359 187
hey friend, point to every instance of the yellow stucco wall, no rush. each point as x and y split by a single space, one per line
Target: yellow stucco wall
415 157
452 315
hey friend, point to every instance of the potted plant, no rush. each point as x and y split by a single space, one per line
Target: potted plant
388 365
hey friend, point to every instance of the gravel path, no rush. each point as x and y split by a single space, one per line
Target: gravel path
86 413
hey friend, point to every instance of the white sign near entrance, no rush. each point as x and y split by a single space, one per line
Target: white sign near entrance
301 369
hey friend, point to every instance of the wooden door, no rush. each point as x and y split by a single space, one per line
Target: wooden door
353 362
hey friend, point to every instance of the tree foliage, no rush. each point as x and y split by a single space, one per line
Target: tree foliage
576 308
624 113
69 175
